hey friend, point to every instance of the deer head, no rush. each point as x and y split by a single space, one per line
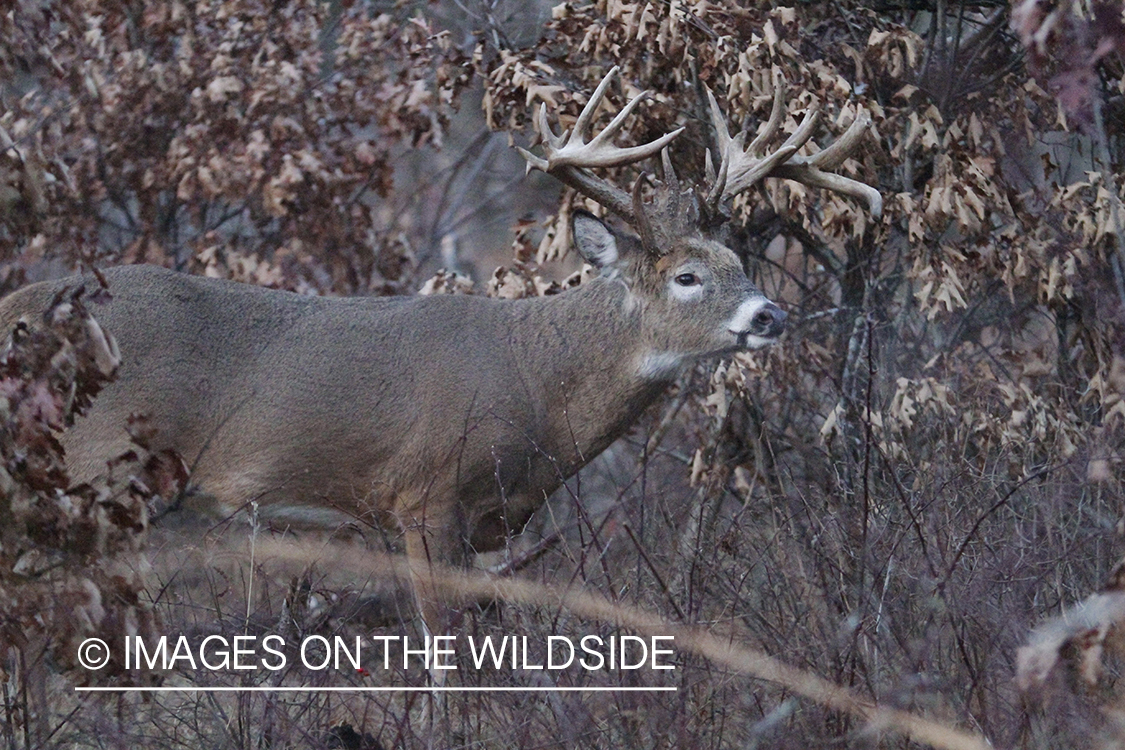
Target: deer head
676 249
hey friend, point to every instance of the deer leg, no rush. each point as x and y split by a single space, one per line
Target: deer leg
430 547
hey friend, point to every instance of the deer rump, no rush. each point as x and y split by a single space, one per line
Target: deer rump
396 411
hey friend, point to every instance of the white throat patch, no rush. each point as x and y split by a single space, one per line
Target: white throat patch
659 365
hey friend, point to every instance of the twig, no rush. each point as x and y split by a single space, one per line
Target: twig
1110 182
720 649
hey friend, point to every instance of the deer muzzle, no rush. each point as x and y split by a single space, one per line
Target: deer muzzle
768 322
757 323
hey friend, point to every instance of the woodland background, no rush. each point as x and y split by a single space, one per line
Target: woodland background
891 498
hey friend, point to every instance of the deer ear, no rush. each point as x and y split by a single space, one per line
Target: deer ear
594 240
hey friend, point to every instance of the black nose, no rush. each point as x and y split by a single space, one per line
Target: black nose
768 322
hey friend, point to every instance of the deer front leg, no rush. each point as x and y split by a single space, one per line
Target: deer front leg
432 546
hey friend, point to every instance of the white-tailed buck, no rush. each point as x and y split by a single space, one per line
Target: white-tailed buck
450 418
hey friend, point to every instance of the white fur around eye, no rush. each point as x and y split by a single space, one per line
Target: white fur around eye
685 293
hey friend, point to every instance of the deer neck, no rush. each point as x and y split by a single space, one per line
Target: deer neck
600 376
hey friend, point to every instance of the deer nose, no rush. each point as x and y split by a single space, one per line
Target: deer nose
768 322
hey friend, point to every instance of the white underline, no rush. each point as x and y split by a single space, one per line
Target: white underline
407 689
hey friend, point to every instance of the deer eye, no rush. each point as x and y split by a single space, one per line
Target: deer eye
687 279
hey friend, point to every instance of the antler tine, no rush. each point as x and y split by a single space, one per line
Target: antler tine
549 136
834 182
741 169
722 135
776 112
573 148
726 146
617 122
669 171
750 171
619 156
730 147
833 156
555 140
812 170
586 116
718 187
568 156
641 222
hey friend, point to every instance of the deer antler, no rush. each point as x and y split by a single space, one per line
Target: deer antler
740 169
568 156
672 213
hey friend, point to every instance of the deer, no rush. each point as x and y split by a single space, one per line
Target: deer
448 419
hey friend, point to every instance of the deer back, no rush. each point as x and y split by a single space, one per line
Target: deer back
326 409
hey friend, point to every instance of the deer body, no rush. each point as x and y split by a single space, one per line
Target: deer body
458 413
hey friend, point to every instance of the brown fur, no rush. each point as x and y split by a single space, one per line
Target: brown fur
447 418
